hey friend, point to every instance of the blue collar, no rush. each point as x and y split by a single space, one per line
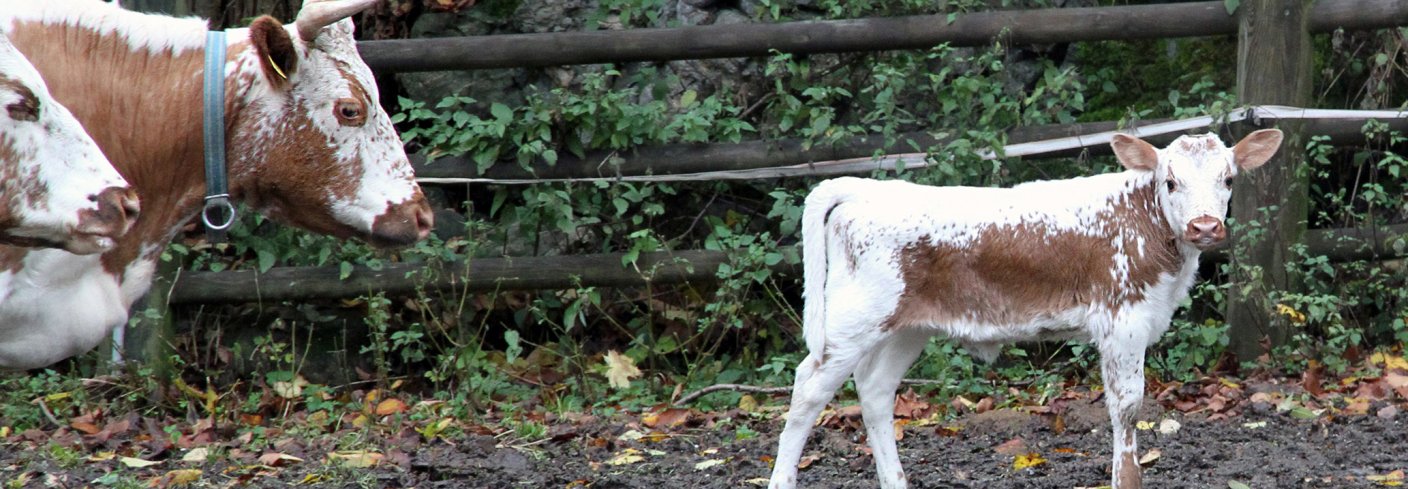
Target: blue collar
218 214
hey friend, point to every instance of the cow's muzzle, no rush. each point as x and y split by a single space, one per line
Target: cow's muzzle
1205 232
98 228
403 223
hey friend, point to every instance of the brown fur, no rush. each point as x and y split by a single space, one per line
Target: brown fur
153 136
1007 276
275 47
27 108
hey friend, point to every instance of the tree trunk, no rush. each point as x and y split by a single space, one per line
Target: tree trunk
1269 205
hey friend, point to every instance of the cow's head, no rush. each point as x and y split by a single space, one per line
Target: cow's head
318 151
56 187
1193 177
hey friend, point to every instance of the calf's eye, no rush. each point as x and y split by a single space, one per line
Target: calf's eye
1228 181
1171 186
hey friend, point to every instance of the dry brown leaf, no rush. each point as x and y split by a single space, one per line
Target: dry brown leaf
390 406
808 460
176 478
1011 447
276 459
668 418
1150 457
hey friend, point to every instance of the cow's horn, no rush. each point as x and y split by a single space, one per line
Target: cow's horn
317 14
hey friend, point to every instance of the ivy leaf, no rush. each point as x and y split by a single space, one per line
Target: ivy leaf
1231 5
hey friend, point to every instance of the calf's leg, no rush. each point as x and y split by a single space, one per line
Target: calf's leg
818 377
1122 366
877 377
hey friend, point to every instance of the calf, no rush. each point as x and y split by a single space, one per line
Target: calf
56 188
1104 259
306 143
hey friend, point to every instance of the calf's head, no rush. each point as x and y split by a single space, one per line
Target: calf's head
56 187
1193 178
319 151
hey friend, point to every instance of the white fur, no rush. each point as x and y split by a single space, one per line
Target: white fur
54 155
871 222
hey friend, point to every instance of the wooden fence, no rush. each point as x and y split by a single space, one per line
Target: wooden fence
916 32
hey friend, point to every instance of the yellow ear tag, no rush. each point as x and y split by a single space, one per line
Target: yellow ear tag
278 70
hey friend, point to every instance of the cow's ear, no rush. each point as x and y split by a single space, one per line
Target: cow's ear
1134 153
274 46
1257 148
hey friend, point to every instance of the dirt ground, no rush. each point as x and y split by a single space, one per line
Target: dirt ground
1261 448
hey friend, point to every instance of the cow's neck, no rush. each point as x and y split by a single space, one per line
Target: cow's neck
143 108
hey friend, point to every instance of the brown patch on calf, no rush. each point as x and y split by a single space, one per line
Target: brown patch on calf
1130 476
1014 274
27 107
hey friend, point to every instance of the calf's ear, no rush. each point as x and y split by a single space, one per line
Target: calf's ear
274 46
1255 149
1134 153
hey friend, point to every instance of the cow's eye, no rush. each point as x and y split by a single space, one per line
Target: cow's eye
1171 186
1227 181
350 112
24 110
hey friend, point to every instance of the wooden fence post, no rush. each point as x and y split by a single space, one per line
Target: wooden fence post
1269 205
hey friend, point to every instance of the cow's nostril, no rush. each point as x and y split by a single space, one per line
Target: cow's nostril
93 197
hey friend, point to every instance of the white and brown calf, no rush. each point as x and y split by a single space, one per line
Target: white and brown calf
306 144
1104 259
56 188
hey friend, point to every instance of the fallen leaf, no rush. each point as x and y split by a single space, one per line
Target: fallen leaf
620 369
176 478
1232 484
708 463
136 463
311 479
1027 460
807 461
1011 447
275 459
1394 478
1310 380
1390 362
668 418
102 456
85 427
1169 427
291 389
1255 425
357 459
758 481
1149 457
1144 425
1388 412
1302 412
196 455
390 406
747 403
626 457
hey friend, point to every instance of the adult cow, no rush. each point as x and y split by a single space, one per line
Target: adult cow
306 144
56 188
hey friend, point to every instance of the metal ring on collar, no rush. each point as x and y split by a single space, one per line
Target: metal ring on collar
221 202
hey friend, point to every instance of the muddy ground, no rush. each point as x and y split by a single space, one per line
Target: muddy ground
1262 448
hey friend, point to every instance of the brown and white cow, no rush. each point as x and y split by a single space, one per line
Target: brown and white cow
1105 259
306 143
56 188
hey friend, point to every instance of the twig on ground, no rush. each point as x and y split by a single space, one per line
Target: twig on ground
49 414
730 387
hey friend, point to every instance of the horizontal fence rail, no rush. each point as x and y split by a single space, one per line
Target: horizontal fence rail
598 270
789 158
859 35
